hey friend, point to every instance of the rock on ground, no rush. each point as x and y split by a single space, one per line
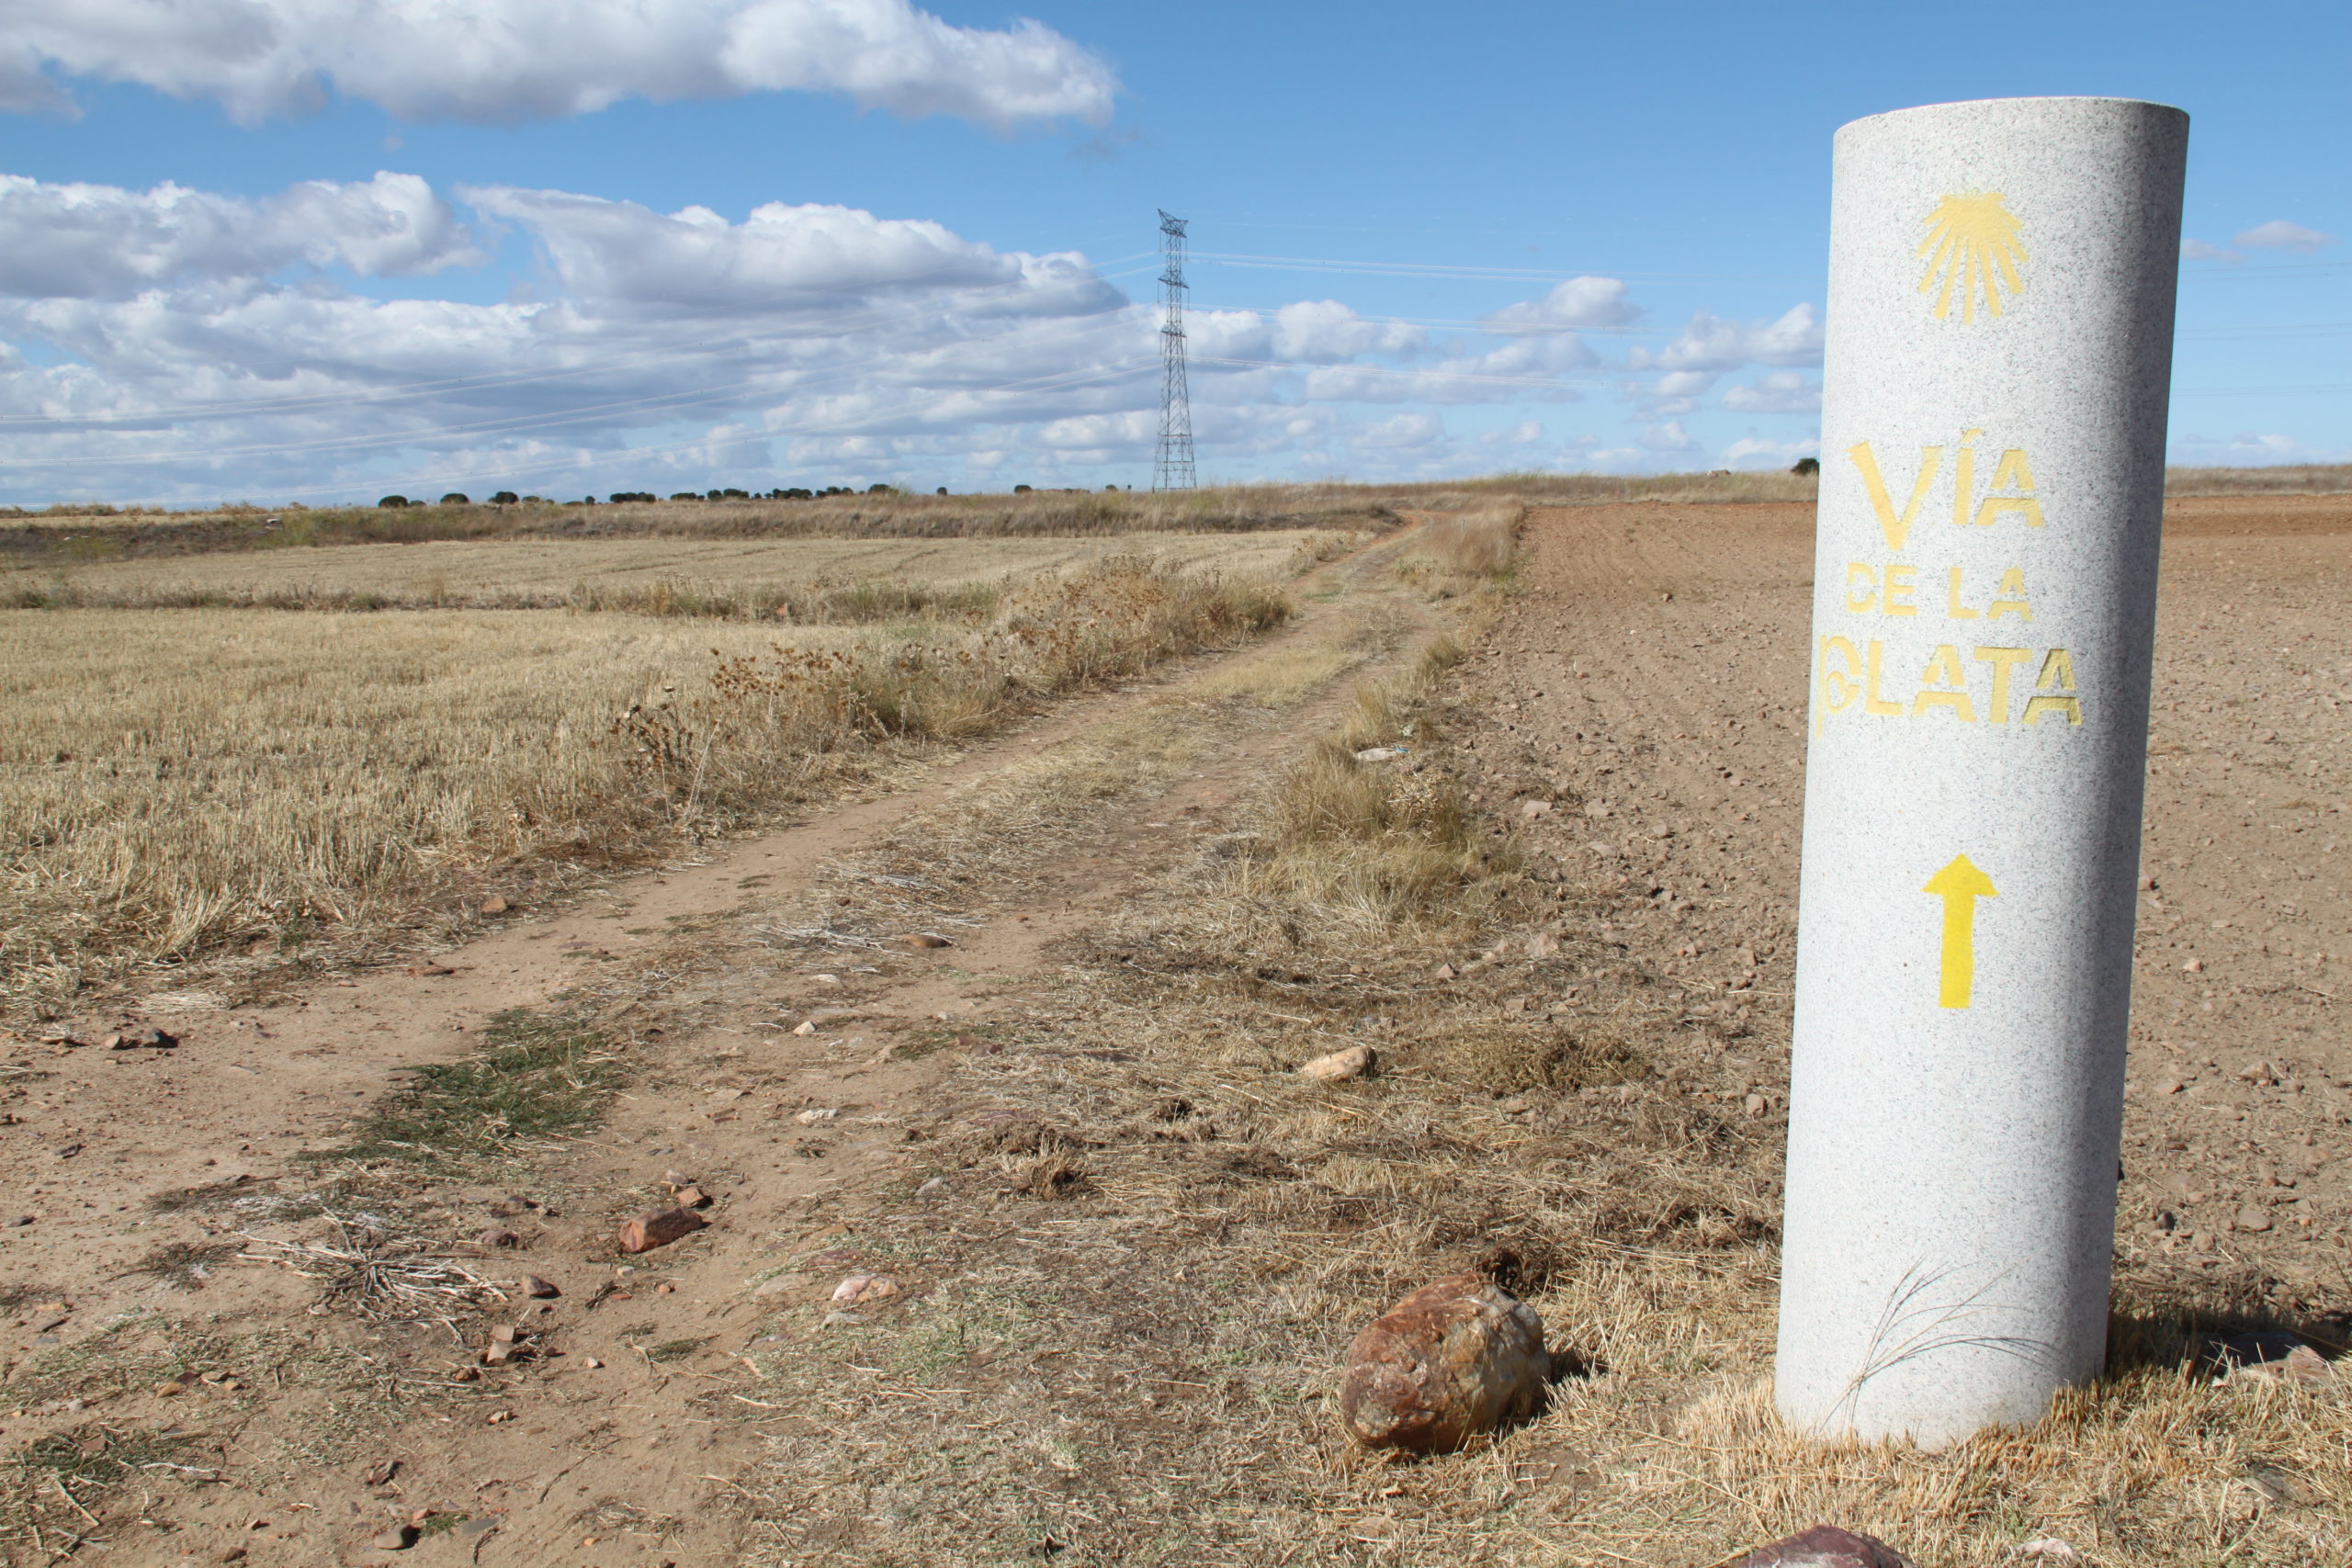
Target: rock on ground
1338 1067
1458 1357
1825 1546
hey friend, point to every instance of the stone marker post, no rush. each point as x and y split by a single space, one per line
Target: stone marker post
2000 317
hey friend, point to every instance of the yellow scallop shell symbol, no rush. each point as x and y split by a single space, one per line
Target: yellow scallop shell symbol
1973 252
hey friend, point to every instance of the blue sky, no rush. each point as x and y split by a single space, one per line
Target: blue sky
316 248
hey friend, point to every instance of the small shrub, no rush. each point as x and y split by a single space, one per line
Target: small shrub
505 498
394 502
1805 467
455 498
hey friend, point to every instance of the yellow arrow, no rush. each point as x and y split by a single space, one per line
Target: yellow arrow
1959 885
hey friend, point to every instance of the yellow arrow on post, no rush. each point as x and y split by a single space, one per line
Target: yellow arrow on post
1959 885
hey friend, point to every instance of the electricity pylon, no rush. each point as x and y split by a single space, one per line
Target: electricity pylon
1173 470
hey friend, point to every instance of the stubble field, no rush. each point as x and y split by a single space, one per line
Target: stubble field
795 581
258 752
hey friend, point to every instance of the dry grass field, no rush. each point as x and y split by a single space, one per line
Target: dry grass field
1017 1038
738 578
182 782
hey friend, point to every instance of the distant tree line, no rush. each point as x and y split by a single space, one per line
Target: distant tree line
622 497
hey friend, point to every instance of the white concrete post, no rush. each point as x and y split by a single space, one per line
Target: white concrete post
2000 317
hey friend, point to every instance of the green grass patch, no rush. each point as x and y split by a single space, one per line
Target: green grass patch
88 1458
535 1078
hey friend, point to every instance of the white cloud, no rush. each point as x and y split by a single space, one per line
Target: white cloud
1673 394
1581 303
616 252
2249 450
181 345
502 62
1530 356
2280 235
185 361
1753 452
1711 343
1403 433
1326 332
101 241
2198 250
1775 391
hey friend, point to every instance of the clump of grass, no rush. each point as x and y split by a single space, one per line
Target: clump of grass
1527 1057
1383 845
1479 544
1467 551
536 1078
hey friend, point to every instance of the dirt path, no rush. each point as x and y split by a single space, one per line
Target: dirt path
142 1172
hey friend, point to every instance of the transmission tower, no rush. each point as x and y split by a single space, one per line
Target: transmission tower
1173 470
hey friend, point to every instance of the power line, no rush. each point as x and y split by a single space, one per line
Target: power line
1173 470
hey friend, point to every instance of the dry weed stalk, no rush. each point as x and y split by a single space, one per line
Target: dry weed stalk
380 1275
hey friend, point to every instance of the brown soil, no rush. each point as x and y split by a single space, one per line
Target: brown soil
1645 679
1652 683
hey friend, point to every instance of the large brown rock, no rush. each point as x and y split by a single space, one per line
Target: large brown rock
1825 1546
1456 1357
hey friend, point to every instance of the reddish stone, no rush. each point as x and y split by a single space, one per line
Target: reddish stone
1454 1359
1825 1546
659 1229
